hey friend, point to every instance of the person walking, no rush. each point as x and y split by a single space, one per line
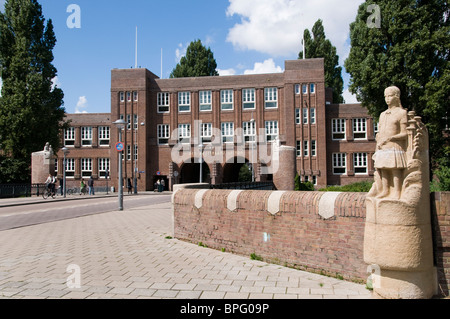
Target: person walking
91 186
82 187
130 186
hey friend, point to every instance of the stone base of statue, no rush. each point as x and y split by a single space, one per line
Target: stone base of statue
398 238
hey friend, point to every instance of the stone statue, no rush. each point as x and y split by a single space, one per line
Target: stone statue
397 238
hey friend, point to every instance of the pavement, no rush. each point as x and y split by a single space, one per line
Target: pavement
132 254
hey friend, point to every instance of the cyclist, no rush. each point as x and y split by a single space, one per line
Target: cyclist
50 183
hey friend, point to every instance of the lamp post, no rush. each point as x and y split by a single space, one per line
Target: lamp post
120 124
252 121
65 151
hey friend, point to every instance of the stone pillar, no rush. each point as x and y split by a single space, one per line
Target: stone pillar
284 173
42 164
398 239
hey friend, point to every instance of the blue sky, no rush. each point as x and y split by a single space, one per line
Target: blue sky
246 36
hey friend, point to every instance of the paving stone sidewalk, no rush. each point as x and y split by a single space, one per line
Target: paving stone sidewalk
129 255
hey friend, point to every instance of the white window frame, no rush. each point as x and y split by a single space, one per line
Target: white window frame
103 135
305 148
312 88
299 148
305 113
339 162
206 132
184 102
359 128
271 98
70 167
297 89
69 137
338 129
103 166
205 101
313 148
271 131
184 133
304 89
163 134
135 152
122 97
360 163
128 121
128 152
226 100
249 131
312 115
135 96
163 102
227 132
128 96
86 167
297 116
86 135
248 99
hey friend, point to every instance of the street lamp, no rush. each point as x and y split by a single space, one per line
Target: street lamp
120 124
65 151
252 121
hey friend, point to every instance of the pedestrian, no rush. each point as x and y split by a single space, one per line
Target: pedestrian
163 185
158 186
130 187
91 185
82 187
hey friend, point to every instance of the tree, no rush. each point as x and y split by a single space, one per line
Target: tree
318 46
409 49
199 61
31 111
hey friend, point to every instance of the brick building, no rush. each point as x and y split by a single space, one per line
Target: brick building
235 120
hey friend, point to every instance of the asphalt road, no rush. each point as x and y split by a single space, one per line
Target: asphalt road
33 214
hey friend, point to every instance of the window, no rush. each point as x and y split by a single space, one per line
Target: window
312 88
375 128
128 121
70 167
248 98
305 148
338 129
314 180
205 100
304 89
163 102
249 131
135 96
69 136
359 129
163 134
103 135
305 116
271 130
128 152
270 98
228 132
129 96
313 148
184 133
86 136
297 89
299 148
312 114
122 96
297 116
135 121
226 99
103 166
135 153
86 167
360 163
206 132
184 102
339 163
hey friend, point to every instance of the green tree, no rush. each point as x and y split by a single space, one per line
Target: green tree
245 174
318 46
31 111
409 49
198 61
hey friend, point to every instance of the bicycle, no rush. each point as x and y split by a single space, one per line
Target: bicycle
48 193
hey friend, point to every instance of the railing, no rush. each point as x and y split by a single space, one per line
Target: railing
245 185
21 190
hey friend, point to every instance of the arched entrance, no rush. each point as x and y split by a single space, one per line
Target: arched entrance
237 170
190 173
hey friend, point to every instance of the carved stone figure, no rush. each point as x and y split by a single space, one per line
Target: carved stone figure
397 238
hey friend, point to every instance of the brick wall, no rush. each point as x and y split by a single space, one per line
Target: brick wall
296 236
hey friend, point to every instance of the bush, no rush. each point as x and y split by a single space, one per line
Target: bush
359 187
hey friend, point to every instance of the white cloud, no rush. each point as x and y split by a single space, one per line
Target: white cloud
226 72
55 83
82 104
180 52
268 66
275 27
349 97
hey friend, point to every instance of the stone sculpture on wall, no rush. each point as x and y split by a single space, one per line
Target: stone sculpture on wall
398 239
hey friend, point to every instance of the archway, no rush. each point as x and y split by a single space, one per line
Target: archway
235 170
190 173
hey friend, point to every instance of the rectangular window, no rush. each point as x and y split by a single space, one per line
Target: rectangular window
103 135
184 133
359 129
312 88
122 96
135 121
135 153
270 98
205 100
86 136
135 96
228 132
313 148
339 163
297 116
249 129
304 89
360 163
70 167
299 148
305 116
69 136
297 89
305 148
103 166
128 121
226 99
248 99
271 130
129 96
163 134
86 167
128 152
163 102
313 115
375 128
206 132
184 102
338 129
